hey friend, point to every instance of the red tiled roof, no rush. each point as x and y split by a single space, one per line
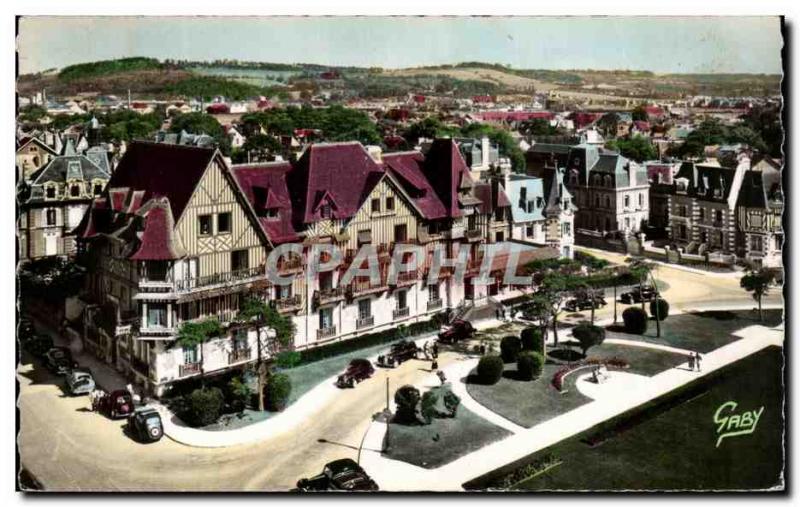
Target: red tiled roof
407 170
157 240
218 108
265 187
162 170
446 170
514 115
343 171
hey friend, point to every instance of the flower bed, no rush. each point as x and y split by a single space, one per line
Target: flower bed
612 362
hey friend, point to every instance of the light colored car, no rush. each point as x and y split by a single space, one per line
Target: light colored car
80 381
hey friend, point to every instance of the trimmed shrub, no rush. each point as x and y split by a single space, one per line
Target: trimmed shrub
288 359
635 320
238 394
428 406
407 399
451 402
588 336
509 348
531 339
277 391
529 365
204 406
663 309
490 369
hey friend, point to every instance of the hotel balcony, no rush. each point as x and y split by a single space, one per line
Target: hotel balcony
365 322
359 287
219 280
434 304
401 313
189 369
326 296
326 332
406 278
293 264
238 356
288 304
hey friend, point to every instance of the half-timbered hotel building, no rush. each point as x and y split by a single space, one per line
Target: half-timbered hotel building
179 235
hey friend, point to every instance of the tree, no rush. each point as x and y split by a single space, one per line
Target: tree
588 336
278 389
638 148
608 124
641 270
635 320
202 123
758 281
553 289
204 406
195 334
490 369
429 128
531 338
639 113
407 399
509 348
529 365
258 146
258 313
537 127
661 311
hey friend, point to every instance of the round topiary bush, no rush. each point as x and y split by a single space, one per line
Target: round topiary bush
531 339
277 392
509 349
635 320
588 336
204 406
490 369
407 399
663 309
529 365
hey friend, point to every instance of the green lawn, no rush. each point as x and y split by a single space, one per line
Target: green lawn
442 441
642 360
702 331
675 448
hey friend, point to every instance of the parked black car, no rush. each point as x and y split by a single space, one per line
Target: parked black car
400 352
458 330
637 295
357 370
584 303
39 345
59 360
145 425
340 475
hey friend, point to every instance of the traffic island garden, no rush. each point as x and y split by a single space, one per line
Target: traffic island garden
443 440
672 442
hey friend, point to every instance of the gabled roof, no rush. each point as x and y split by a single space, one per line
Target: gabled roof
162 170
157 239
265 187
24 141
408 171
533 192
344 171
65 168
448 173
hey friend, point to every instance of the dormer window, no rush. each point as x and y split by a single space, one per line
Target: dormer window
50 192
75 190
272 213
325 211
98 189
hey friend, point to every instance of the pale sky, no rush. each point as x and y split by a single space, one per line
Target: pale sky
696 45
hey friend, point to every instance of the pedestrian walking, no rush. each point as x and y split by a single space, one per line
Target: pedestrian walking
434 365
441 376
691 361
697 360
435 351
497 313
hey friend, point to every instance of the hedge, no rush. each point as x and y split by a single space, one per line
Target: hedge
359 342
277 391
635 320
204 406
663 309
490 369
509 348
531 339
529 365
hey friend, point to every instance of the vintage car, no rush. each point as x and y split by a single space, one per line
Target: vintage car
456 331
80 381
39 345
59 360
637 295
145 425
357 370
340 475
400 352
584 303
116 405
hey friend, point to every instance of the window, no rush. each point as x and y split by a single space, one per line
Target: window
523 194
433 292
529 231
608 202
756 243
50 192
364 308
390 204
98 189
239 260
204 224
376 205
157 315
401 298
499 236
51 216
400 233
566 229
157 270
627 223
283 291
641 200
627 201
326 281
272 213
718 215
325 318
223 223
325 211
190 354
702 214
240 340
75 191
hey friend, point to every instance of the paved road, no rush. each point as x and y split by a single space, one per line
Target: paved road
67 447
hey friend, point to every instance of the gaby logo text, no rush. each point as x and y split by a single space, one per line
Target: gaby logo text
731 424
